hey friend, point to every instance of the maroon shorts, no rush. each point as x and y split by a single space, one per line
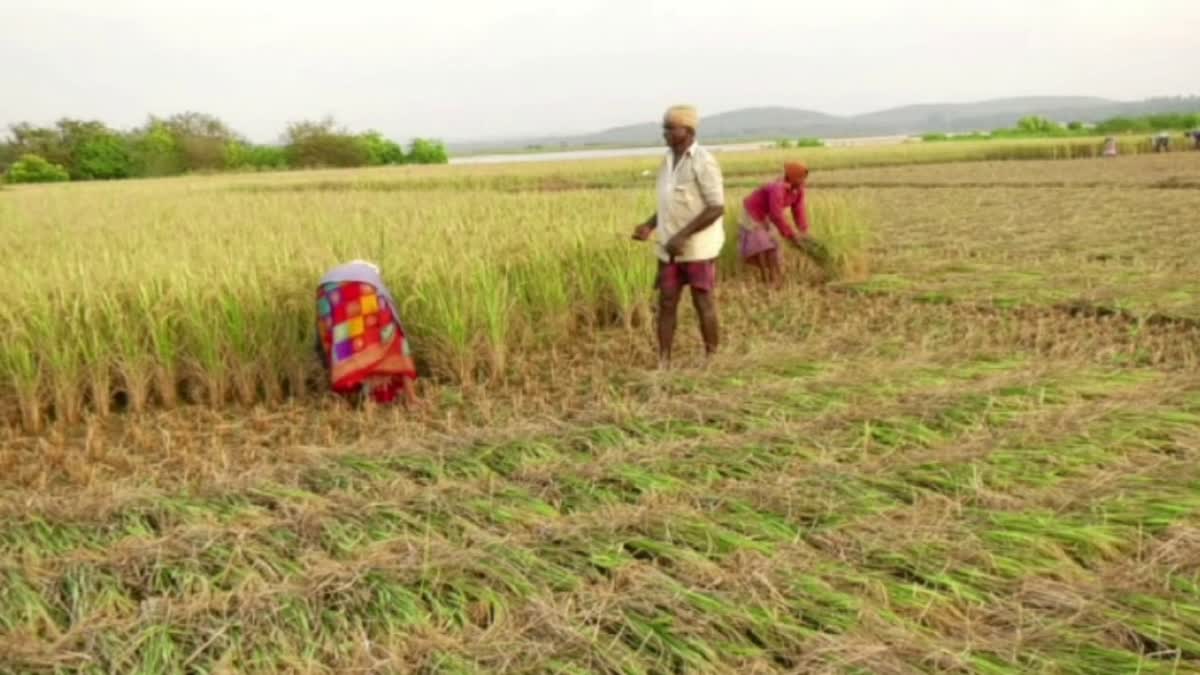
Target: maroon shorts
701 275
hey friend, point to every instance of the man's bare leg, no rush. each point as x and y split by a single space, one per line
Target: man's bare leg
706 309
668 312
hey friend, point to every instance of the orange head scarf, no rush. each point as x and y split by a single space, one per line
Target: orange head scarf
795 172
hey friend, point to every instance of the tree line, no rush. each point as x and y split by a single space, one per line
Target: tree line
1036 126
192 142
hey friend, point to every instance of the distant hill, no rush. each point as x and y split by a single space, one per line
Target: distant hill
778 122
981 115
739 124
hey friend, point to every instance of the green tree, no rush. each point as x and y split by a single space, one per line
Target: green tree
31 168
200 140
323 143
1123 125
45 142
380 150
155 151
425 151
237 155
1037 125
8 155
105 156
64 144
240 155
76 135
268 157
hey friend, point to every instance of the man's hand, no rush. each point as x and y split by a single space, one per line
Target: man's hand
675 245
642 232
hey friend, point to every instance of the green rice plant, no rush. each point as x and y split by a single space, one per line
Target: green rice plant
493 312
440 313
50 326
587 282
18 358
630 277
23 608
450 664
541 282
204 331
656 637
841 238
237 314
95 347
159 652
87 595
126 341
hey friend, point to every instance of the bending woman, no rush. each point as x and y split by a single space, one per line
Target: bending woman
359 337
765 207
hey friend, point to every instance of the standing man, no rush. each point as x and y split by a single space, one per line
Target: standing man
690 232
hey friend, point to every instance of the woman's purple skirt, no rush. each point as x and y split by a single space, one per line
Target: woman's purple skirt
754 238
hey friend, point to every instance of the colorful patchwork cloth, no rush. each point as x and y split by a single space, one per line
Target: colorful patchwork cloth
360 334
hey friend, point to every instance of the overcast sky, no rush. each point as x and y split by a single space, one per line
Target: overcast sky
467 69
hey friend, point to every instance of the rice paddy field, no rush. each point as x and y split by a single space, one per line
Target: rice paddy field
971 444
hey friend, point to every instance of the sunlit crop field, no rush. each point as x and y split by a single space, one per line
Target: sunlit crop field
983 455
154 293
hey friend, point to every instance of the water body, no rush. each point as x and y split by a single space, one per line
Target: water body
653 151
599 153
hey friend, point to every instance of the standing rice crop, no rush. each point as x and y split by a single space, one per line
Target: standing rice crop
153 293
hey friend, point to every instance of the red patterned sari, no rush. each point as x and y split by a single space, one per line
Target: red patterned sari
363 343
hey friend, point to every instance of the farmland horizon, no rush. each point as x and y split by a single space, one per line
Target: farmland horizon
759 122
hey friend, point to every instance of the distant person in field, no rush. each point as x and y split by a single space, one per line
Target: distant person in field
359 337
1195 136
1110 147
689 229
1162 142
764 208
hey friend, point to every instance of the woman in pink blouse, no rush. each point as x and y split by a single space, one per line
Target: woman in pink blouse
765 207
